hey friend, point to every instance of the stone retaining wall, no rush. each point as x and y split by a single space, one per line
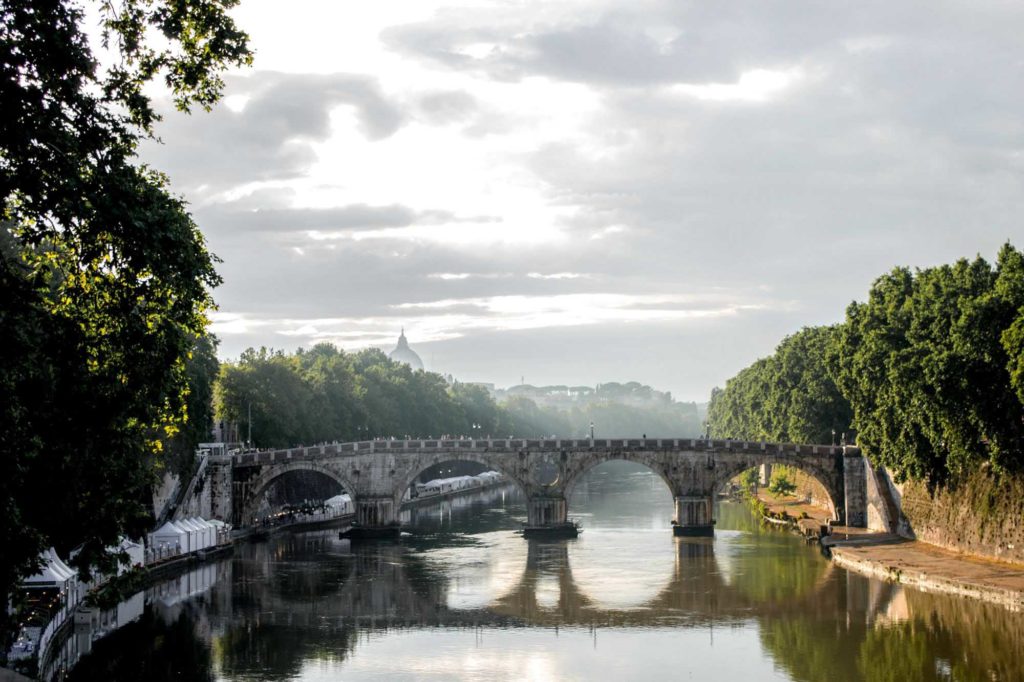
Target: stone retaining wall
980 516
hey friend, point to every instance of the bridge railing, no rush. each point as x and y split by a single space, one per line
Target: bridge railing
518 444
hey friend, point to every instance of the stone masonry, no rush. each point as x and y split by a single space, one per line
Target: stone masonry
377 473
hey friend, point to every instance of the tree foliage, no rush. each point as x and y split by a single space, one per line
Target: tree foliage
780 485
929 372
105 277
930 363
324 394
786 397
617 410
201 371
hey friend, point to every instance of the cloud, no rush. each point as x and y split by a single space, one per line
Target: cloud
270 132
509 166
442 319
445 107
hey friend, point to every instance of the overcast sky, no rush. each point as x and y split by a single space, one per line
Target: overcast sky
580 192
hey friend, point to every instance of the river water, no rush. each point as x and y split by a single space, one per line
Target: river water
463 597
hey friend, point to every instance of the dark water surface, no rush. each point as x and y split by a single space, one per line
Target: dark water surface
463 597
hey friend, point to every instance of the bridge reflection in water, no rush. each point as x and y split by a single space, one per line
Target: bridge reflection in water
306 606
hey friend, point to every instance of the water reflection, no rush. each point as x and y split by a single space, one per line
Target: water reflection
463 596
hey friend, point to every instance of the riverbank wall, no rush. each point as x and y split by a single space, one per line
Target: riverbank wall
981 515
965 538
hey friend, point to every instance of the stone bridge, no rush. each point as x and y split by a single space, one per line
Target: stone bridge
377 473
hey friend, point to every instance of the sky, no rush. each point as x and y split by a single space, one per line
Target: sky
583 192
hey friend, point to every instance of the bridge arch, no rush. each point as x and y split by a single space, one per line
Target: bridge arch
270 474
583 465
406 478
829 477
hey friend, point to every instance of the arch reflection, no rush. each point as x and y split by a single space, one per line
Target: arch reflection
311 599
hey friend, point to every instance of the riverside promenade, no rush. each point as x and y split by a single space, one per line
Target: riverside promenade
927 567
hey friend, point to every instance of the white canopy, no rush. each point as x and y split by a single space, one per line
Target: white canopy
54 572
136 552
207 532
169 534
196 539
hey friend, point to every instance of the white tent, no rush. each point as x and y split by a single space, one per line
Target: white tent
209 533
55 573
340 504
169 536
221 530
136 554
195 534
198 540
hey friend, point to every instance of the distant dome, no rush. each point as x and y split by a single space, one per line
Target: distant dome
402 353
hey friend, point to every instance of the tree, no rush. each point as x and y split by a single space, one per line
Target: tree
201 370
750 479
780 485
789 396
928 364
106 278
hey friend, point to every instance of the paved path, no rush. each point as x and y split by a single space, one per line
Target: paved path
928 567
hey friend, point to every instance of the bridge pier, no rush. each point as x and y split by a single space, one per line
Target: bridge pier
221 488
694 516
376 517
544 510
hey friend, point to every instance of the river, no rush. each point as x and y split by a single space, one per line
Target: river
463 597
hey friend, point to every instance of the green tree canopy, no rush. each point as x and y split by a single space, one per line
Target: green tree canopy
929 372
931 365
105 276
786 397
325 394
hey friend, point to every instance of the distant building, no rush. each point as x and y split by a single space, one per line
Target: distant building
402 353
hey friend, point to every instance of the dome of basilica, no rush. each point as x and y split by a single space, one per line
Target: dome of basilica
402 353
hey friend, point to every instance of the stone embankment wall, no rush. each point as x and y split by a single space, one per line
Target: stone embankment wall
164 491
981 515
198 498
810 488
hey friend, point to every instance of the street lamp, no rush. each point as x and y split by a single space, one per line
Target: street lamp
591 433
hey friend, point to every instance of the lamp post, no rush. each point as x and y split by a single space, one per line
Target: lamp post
248 441
591 433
